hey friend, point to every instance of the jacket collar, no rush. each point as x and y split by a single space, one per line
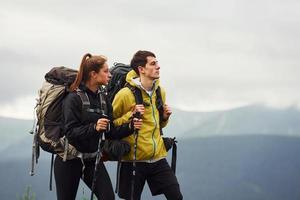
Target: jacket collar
87 90
134 80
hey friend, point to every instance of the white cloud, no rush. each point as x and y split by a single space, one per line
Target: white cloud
213 54
21 108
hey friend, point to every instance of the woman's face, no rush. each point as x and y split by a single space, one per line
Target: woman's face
103 76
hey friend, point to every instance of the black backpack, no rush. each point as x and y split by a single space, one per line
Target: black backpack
118 81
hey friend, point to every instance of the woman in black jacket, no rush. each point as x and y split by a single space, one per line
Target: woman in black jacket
83 127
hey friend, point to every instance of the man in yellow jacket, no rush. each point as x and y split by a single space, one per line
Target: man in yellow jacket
147 158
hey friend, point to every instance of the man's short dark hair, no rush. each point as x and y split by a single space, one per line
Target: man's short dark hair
140 59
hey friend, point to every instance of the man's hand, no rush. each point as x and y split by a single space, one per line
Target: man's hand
167 112
102 124
137 123
139 108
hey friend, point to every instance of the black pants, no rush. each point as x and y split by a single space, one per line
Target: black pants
67 176
159 176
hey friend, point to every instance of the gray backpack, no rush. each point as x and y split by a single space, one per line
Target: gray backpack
47 129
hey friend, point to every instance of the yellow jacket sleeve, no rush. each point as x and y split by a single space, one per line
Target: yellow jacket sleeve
120 107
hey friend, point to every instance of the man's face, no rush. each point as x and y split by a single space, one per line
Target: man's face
151 69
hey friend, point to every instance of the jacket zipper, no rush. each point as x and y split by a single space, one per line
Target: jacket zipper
153 115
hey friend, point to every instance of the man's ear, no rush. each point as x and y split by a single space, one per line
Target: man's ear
141 69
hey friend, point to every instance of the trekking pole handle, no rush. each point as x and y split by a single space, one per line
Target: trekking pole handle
137 115
107 128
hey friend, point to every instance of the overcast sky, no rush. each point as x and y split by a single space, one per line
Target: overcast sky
214 55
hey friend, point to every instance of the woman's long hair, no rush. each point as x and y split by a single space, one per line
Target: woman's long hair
88 64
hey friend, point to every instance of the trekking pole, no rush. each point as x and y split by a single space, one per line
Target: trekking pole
136 115
98 158
34 146
33 156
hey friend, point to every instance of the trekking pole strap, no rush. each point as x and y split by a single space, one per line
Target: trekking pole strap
118 177
174 156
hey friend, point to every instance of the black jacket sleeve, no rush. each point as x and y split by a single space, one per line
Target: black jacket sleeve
117 132
73 125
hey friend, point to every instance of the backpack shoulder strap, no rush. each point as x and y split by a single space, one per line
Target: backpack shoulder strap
136 93
103 102
160 107
86 103
159 103
84 99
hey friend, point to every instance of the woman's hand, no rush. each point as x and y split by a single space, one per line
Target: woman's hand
102 124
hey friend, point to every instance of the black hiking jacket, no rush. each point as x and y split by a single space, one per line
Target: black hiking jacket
79 125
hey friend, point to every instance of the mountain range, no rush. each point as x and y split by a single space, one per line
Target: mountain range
248 153
254 119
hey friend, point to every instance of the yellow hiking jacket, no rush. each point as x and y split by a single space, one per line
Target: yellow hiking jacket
150 145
